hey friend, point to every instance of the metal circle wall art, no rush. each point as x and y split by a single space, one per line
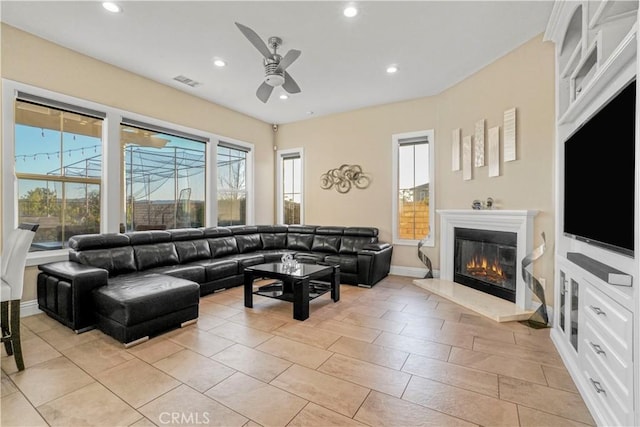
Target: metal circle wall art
344 177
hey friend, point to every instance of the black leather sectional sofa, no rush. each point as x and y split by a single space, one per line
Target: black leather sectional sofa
138 284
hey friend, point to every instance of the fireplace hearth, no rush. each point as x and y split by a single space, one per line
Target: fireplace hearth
486 260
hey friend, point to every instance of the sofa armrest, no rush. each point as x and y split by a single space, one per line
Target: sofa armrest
374 263
64 292
375 246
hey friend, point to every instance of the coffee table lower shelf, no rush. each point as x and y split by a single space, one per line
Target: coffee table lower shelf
275 290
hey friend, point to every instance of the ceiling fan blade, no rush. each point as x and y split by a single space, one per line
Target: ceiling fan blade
288 59
289 84
255 40
264 92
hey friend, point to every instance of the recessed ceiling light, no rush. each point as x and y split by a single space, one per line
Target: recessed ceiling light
219 63
392 69
309 113
284 96
350 11
111 7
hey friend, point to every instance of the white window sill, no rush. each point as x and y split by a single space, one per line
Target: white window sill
43 257
429 243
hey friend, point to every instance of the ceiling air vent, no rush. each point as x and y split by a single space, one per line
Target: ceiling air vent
187 81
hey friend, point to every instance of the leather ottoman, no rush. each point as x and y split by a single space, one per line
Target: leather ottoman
133 308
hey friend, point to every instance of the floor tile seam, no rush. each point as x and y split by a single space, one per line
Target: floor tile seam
369 361
253 375
96 381
555 415
433 409
35 408
320 372
460 386
359 407
201 393
93 380
122 398
499 373
355 383
541 409
186 384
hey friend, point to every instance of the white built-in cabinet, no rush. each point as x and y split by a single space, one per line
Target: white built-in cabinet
596 326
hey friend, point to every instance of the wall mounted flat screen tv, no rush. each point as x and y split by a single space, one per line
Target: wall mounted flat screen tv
599 176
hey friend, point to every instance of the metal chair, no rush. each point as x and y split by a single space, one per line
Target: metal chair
14 259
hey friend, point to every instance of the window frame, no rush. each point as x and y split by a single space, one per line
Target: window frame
249 167
395 145
111 189
280 156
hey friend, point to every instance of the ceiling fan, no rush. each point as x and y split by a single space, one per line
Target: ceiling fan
274 65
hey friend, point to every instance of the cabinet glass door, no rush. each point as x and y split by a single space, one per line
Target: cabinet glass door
573 337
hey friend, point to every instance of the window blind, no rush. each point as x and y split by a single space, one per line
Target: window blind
160 129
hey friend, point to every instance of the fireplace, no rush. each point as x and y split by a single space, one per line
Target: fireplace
519 222
486 261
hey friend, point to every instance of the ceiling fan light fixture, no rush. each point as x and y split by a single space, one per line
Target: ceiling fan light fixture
274 80
284 96
350 11
111 7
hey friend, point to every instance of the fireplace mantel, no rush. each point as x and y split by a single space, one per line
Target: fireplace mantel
515 221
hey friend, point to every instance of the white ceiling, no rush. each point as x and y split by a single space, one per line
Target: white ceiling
342 67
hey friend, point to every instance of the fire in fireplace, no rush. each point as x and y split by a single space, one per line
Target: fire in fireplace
486 261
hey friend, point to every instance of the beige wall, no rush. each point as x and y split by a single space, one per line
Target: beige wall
35 61
523 79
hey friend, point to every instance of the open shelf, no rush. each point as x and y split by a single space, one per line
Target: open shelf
276 290
612 10
621 57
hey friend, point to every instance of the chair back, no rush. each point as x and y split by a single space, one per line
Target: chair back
14 257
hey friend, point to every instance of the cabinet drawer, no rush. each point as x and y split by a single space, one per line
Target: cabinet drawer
615 321
614 403
609 361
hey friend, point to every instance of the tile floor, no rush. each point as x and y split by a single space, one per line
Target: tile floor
392 355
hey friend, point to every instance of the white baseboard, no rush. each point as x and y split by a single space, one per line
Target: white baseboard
399 270
29 308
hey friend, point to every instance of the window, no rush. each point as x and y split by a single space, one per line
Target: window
232 185
164 177
290 186
413 197
58 166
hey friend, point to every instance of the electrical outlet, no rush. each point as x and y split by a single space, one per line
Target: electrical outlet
543 283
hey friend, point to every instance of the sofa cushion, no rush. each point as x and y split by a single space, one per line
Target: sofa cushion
352 244
299 242
136 298
245 260
84 242
180 234
223 246
248 243
219 268
347 263
156 255
310 257
216 232
274 255
326 243
115 260
149 237
273 240
192 272
193 250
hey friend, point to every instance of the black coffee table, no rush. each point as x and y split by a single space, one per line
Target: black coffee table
298 286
